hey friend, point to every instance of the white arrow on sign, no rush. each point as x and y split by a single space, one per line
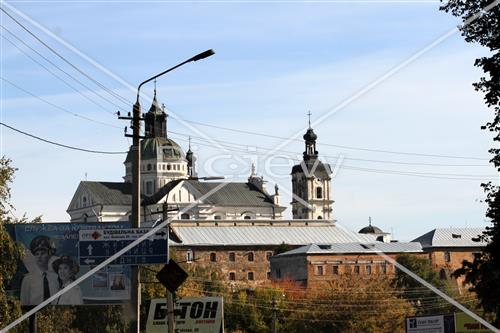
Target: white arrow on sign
89 249
89 261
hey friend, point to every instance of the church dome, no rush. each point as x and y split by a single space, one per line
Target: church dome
371 229
161 149
310 135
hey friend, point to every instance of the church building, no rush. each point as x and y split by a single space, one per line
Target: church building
162 162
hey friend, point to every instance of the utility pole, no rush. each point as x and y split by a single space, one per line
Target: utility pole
275 329
135 294
136 184
170 297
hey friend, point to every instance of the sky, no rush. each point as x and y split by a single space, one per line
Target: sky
388 83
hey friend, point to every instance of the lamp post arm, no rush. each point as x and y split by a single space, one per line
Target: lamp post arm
197 57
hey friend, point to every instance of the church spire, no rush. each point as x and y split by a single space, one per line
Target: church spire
310 142
155 120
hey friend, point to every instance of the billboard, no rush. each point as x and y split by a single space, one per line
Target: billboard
50 262
431 324
202 315
465 324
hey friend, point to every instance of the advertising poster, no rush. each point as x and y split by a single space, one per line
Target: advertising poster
431 324
201 315
51 262
465 324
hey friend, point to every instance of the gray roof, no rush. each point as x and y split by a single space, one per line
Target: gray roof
232 194
369 247
108 193
451 237
265 235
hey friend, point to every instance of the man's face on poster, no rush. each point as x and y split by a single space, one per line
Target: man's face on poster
42 258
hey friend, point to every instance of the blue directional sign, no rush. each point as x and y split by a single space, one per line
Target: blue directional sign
97 245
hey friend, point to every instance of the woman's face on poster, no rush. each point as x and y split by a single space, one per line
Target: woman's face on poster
65 272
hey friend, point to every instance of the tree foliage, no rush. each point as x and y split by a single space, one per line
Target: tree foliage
423 299
9 252
481 20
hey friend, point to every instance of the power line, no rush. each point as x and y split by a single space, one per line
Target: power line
55 105
58 77
333 145
383 171
117 96
63 145
56 66
345 158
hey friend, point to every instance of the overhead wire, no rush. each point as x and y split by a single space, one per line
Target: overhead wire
60 78
344 158
382 171
56 66
337 146
55 105
117 96
63 145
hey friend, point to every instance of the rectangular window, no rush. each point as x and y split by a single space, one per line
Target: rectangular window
149 187
269 275
232 256
336 270
447 256
189 256
250 276
383 269
368 269
319 270
232 276
356 269
213 257
269 255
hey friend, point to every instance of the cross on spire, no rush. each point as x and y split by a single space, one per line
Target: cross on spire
309 115
189 142
155 87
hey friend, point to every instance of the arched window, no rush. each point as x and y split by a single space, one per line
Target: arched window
250 256
319 193
185 216
320 217
247 217
232 276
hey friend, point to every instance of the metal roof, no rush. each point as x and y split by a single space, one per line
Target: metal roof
232 194
451 237
355 247
265 235
109 193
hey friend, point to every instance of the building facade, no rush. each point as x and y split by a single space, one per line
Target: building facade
314 266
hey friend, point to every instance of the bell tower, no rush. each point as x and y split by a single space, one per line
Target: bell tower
311 183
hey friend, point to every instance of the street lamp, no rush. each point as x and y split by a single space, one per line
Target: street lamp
136 181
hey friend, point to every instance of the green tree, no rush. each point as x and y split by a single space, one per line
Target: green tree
9 252
424 300
483 274
348 304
